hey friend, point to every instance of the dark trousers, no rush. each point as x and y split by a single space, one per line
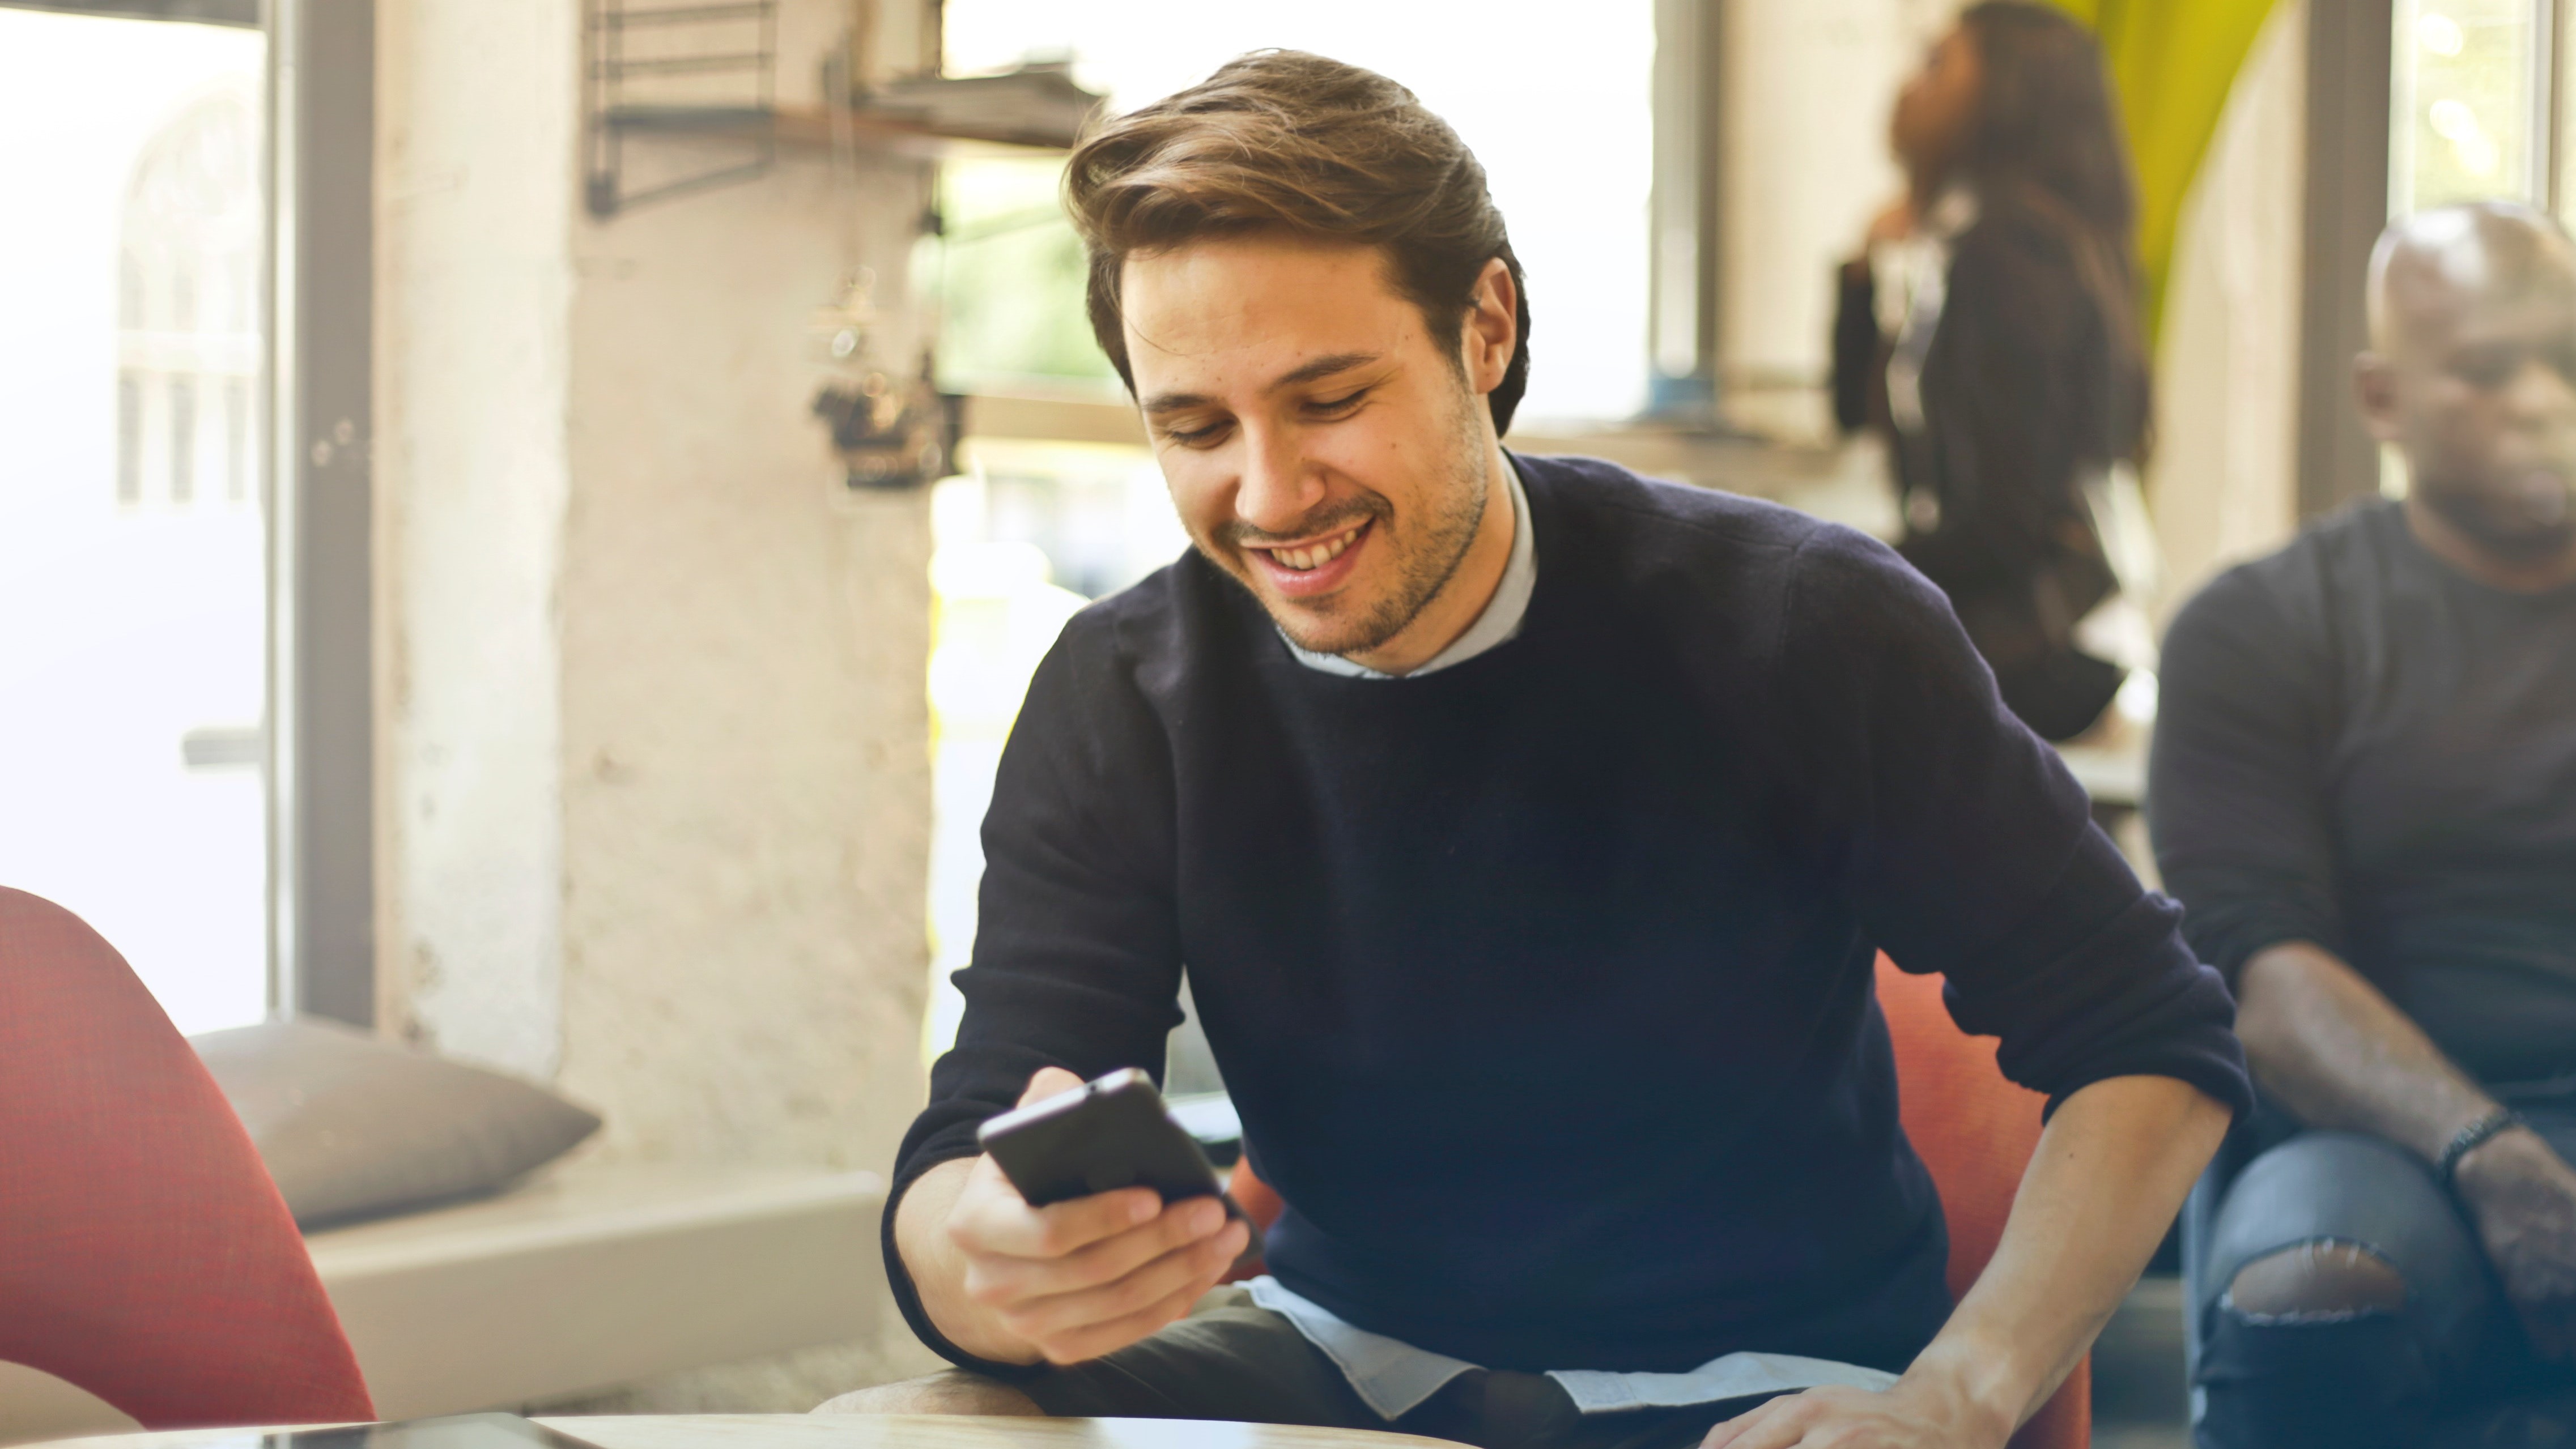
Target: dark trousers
2451 1366
1233 1359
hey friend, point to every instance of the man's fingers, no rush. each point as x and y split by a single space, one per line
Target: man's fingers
1773 1424
1093 1340
1048 1082
998 1221
1106 1261
1192 1268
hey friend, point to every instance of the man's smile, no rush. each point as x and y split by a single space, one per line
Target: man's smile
1313 566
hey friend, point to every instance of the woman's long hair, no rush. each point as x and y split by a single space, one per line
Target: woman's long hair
2047 142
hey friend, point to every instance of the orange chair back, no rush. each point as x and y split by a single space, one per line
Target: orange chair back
1975 1132
144 1254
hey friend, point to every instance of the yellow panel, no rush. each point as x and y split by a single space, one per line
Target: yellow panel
2174 62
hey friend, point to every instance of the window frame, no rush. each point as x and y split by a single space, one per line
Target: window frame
2350 73
242 14
318 484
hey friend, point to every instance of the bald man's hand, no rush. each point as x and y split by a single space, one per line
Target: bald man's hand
1058 1284
2523 1199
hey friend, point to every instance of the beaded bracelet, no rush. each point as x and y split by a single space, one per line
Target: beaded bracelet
2470 1138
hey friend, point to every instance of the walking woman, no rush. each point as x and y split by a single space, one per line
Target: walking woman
1991 332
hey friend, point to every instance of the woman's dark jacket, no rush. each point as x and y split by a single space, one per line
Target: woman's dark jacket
2021 395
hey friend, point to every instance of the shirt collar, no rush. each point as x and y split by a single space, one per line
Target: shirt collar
1498 624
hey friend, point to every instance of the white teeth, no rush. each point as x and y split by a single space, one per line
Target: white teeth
1315 556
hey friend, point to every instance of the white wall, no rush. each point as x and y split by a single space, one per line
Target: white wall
1809 85
746 791
476 196
2223 482
655 796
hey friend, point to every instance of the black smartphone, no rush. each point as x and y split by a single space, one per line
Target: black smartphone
1099 1137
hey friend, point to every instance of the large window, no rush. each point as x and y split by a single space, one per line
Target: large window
2470 102
132 591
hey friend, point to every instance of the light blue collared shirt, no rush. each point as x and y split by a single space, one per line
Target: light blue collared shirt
1393 1377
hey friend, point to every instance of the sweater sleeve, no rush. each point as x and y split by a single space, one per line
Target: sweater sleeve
2234 799
1077 947
1967 849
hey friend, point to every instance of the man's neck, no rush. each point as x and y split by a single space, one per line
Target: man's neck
2445 541
1460 602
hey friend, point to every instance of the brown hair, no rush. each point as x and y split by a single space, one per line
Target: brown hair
1280 140
2047 142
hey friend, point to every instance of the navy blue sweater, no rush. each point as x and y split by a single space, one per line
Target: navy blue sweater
1543 982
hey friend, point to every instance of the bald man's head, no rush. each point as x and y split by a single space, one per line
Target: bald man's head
2429 265
2472 370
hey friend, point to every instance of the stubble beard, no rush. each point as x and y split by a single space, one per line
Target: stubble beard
2524 539
1425 562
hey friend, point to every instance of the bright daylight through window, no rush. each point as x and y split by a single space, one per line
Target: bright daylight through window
2470 102
132 608
1034 530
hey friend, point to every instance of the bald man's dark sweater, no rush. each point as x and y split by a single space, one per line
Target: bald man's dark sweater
1543 981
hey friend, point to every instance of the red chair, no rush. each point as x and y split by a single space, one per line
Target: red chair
1974 1130
144 1254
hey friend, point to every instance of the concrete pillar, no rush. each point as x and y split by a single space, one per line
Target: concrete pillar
654 750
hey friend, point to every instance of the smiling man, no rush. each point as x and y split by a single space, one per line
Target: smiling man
1527 832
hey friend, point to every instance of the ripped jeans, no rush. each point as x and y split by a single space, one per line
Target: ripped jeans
2446 1365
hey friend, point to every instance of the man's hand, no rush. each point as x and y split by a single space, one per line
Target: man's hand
1065 1283
1913 1413
2523 1199
2111 1169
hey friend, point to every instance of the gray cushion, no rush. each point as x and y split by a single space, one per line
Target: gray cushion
350 1124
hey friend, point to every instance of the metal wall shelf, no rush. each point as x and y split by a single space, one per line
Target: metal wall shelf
707 72
672 83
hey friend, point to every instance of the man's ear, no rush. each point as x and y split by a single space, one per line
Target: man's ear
1492 329
2374 387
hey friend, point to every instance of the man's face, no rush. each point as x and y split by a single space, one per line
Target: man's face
1320 446
2479 389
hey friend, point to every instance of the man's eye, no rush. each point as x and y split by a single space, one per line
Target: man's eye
1195 437
1341 404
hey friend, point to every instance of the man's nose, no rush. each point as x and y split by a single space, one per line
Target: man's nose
1278 490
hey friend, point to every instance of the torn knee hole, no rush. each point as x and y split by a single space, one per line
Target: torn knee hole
2316 1280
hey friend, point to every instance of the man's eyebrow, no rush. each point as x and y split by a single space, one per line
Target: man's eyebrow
1321 367
1326 366
1172 402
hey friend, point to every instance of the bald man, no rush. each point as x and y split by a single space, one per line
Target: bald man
2364 792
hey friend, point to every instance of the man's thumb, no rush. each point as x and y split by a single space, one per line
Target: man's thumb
1048 1082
